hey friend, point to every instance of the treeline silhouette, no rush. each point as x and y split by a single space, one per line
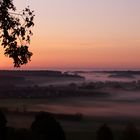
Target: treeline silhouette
46 127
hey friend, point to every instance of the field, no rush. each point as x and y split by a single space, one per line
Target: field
84 129
116 103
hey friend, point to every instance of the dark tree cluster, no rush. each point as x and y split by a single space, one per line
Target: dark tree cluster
15 32
129 133
44 127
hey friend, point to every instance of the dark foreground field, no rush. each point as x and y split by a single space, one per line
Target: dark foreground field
84 128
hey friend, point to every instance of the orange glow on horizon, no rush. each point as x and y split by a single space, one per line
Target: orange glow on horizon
103 35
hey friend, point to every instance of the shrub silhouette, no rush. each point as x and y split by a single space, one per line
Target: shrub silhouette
104 133
45 127
130 133
6 133
3 122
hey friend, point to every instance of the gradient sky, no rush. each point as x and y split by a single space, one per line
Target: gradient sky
83 34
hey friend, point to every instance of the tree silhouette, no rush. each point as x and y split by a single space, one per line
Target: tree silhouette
15 32
45 127
130 133
104 133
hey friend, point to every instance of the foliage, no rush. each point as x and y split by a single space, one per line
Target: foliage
15 32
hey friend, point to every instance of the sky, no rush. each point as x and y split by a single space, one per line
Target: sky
83 34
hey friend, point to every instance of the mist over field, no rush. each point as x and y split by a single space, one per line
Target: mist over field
117 94
80 100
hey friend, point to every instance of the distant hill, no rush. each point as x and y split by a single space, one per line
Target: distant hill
12 73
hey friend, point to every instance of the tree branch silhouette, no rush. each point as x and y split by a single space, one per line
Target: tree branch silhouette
15 32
